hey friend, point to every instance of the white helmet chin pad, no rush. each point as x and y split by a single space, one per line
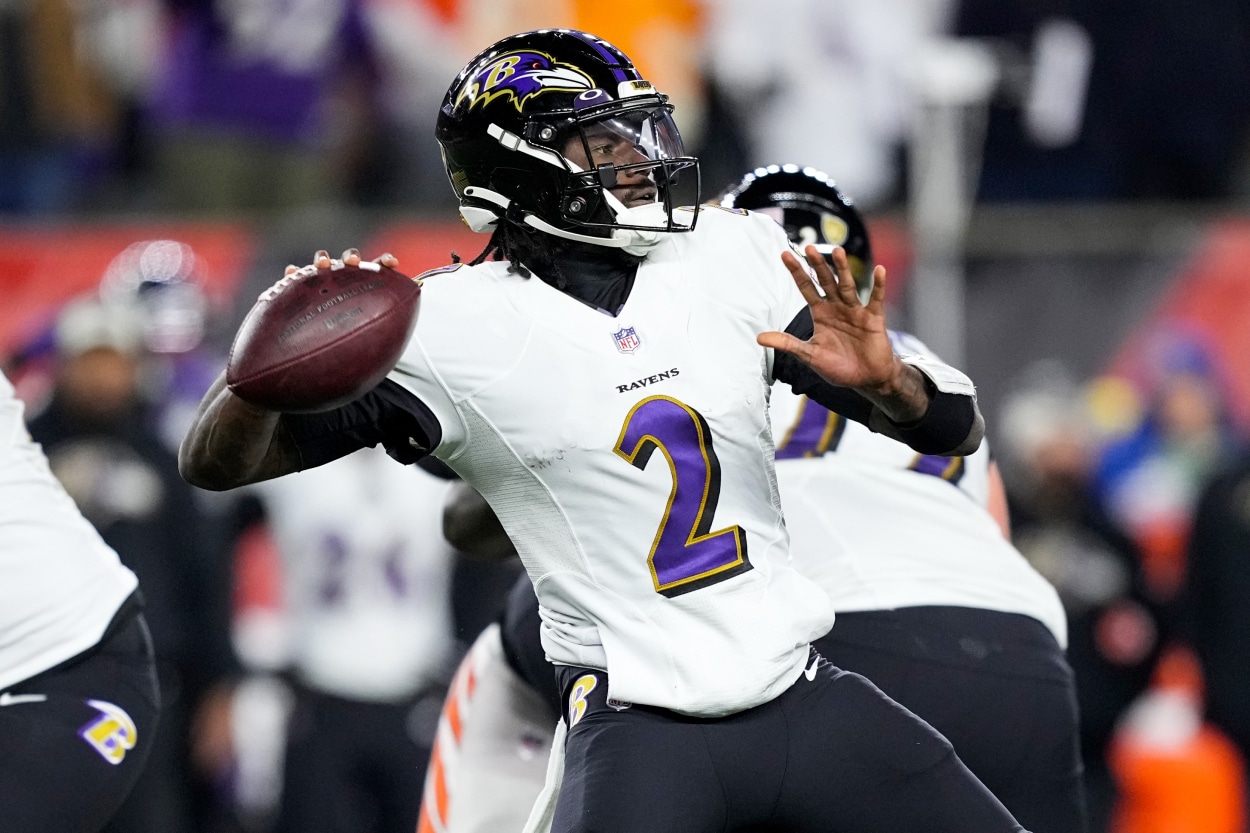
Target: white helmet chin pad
479 219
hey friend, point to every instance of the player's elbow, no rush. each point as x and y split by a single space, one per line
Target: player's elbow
206 470
953 427
975 434
199 472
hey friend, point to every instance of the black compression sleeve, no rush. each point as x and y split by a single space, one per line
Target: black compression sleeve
388 414
948 423
943 429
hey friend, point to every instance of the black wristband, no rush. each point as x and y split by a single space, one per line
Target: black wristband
951 426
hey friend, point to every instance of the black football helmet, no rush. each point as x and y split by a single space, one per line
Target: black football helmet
556 130
813 212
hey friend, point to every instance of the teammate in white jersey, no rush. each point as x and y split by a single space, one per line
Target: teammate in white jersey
366 574
78 694
613 329
934 604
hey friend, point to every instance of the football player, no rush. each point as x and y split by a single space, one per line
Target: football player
934 604
490 757
78 691
366 575
941 611
618 324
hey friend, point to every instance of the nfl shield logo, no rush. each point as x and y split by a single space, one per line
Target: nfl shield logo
626 340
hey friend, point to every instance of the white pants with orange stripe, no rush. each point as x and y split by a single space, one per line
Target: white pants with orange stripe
490 756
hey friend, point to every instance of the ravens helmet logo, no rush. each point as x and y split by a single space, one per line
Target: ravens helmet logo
520 75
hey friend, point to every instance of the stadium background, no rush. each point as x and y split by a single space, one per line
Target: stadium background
1077 172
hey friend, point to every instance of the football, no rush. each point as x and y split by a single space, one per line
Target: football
320 338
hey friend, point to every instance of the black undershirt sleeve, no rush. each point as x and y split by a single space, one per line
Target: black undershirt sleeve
945 427
389 414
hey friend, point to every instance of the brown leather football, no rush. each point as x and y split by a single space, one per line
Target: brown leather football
318 339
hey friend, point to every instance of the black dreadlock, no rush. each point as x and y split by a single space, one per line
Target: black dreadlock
525 248
502 246
520 245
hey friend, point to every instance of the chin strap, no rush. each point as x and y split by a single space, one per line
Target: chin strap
536 222
633 241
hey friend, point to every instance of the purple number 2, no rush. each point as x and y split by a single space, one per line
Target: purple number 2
685 555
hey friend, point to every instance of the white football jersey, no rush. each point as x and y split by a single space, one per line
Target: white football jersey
366 574
630 460
60 584
879 526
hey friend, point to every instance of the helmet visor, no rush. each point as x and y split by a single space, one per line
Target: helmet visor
623 138
634 155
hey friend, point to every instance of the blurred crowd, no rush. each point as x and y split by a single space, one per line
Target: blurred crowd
303 658
212 105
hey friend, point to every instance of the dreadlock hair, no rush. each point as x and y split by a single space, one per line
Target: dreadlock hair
523 247
507 243
517 244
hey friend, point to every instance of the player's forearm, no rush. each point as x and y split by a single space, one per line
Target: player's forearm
904 397
948 423
952 426
232 443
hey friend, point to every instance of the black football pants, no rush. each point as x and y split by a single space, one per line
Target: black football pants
348 760
832 754
996 685
74 739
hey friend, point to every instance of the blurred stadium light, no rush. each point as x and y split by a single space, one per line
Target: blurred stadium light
953 80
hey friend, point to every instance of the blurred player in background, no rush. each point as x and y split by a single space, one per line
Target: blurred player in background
78 691
691 666
160 282
365 574
158 288
934 604
491 752
1047 444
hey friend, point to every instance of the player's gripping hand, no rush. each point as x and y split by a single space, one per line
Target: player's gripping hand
850 345
351 257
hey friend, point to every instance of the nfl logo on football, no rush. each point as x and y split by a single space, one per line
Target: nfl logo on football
626 340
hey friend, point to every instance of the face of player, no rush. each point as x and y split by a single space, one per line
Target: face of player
100 384
615 142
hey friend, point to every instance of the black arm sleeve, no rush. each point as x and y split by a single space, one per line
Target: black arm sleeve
948 424
389 414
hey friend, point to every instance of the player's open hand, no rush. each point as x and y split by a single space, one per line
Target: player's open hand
849 345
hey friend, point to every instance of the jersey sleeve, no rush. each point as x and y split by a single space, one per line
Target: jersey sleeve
440 341
914 352
784 301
